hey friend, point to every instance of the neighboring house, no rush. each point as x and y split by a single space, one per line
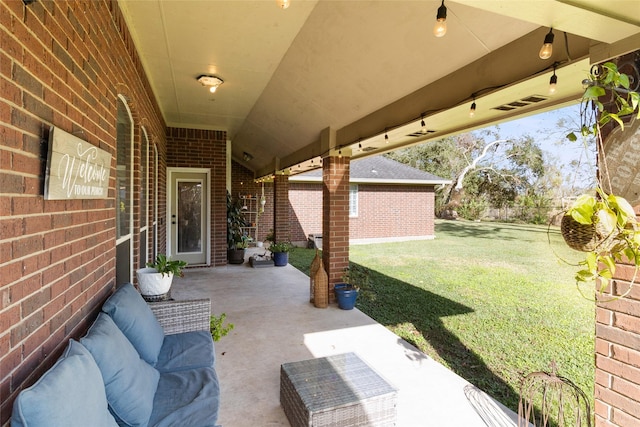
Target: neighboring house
388 201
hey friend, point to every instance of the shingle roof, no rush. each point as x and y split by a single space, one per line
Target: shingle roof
379 169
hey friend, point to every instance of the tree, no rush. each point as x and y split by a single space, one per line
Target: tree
483 167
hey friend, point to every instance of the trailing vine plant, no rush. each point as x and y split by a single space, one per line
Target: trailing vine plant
610 219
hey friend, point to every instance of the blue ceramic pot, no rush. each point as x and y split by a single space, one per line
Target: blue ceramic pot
280 259
346 296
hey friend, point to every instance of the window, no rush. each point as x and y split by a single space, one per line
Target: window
144 199
353 200
124 194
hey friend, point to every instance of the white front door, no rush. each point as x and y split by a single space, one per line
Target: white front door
189 217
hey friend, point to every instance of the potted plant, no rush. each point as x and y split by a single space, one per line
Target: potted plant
280 253
155 280
353 279
236 240
602 224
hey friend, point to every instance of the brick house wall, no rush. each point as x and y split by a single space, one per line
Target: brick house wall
63 64
242 182
385 211
196 148
306 210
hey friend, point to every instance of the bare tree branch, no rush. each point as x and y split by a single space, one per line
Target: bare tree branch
473 164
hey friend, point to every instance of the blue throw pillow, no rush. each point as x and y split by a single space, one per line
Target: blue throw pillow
130 382
70 394
135 319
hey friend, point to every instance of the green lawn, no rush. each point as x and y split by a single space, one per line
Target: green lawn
491 301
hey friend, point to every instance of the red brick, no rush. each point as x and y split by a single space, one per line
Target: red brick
626 355
33 344
27 245
26 205
620 418
9 317
26 327
10 272
37 224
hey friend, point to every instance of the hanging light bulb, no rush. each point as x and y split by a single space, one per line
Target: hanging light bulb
553 81
339 154
547 47
440 29
386 138
423 128
359 146
283 4
472 110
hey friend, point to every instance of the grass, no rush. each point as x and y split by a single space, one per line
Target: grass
491 301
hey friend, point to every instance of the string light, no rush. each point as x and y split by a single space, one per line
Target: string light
339 154
440 28
283 4
472 110
553 81
386 138
423 125
547 47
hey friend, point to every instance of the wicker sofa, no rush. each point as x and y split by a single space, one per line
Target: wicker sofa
138 365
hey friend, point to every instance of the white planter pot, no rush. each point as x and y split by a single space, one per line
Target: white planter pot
152 283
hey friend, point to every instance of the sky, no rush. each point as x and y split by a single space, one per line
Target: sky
551 138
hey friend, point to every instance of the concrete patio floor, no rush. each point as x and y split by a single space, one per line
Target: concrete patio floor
275 324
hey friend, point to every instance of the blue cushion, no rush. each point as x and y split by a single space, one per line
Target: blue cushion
186 350
187 398
130 382
135 319
69 394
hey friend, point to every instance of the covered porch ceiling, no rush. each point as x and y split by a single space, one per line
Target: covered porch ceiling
336 75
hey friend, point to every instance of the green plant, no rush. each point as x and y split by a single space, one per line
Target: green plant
357 276
270 237
611 218
217 327
235 222
280 247
593 114
165 266
614 221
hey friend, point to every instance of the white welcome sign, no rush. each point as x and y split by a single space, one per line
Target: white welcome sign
75 168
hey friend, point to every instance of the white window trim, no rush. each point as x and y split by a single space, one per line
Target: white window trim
353 200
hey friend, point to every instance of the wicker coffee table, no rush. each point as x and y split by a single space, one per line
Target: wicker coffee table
339 390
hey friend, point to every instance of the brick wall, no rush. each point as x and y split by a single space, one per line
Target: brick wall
306 210
281 209
617 344
384 211
335 219
242 182
196 148
62 63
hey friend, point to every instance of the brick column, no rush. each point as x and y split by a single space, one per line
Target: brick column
335 218
617 345
281 223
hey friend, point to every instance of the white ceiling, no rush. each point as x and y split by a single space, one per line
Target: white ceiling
361 68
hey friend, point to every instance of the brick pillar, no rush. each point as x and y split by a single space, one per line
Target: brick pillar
617 346
281 223
335 218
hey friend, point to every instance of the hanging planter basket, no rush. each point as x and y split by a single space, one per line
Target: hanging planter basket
585 237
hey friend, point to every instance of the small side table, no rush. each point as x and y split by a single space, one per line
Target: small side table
340 390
